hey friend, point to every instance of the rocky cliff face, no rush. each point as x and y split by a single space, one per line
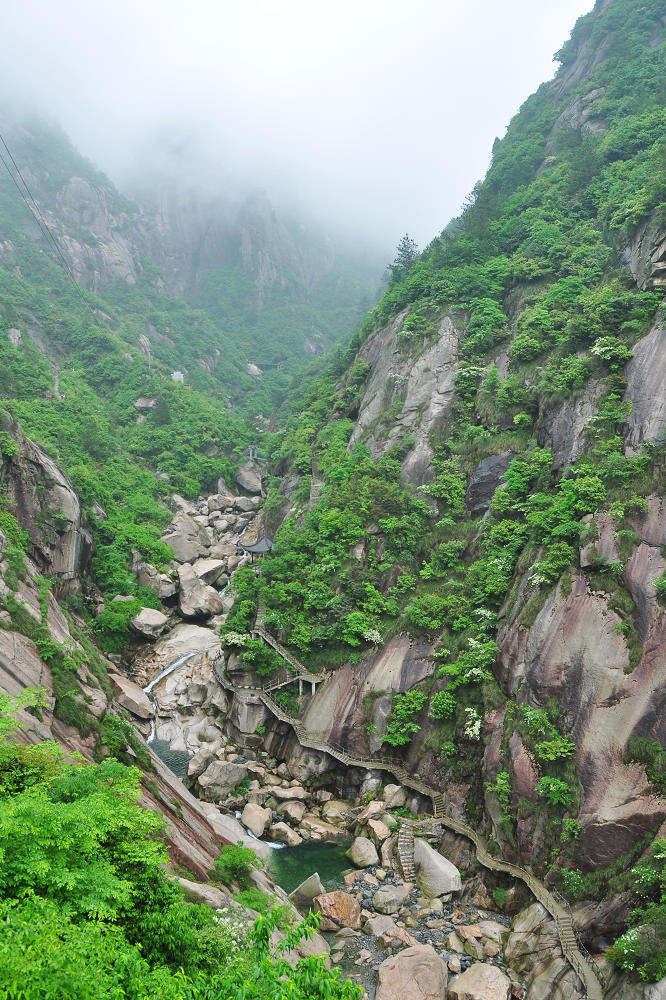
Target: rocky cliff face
47 508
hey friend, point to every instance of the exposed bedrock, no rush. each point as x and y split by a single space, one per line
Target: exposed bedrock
574 652
46 507
421 389
337 709
646 388
562 428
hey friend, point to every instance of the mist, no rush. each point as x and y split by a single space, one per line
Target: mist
373 118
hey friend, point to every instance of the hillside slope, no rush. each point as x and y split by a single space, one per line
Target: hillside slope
488 461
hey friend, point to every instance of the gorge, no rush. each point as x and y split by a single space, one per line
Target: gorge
448 655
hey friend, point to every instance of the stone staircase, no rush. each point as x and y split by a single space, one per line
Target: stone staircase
405 851
580 960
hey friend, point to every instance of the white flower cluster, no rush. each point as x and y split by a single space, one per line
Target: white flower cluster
472 724
234 929
372 635
236 638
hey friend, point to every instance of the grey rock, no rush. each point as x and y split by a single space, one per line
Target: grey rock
363 853
435 875
130 696
389 898
149 623
485 480
186 539
220 778
304 893
248 477
481 982
196 598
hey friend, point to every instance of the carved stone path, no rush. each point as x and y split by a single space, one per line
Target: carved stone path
577 956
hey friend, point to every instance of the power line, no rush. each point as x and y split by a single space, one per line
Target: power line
39 218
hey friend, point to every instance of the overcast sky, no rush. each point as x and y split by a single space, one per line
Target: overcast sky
378 115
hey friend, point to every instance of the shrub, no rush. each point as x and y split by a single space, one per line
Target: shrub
236 863
442 705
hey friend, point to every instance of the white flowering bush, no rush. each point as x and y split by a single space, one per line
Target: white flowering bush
473 722
372 635
235 638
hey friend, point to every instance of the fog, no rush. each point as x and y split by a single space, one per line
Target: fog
375 117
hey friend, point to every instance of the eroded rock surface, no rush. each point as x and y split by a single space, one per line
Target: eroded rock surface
417 973
424 385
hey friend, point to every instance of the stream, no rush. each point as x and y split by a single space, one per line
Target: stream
176 760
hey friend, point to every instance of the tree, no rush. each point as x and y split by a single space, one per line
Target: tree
405 257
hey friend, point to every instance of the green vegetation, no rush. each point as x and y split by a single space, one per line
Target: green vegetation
87 907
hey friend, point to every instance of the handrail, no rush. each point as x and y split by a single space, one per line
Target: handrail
581 961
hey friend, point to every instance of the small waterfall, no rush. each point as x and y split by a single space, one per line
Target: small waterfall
149 687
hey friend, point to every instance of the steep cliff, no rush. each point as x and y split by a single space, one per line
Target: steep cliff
496 618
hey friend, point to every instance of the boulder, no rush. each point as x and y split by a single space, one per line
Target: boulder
393 938
248 477
293 811
435 875
186 539
130 696
417 973
304 893
390 898
199 762
149 623
336 811
209 570
481 982
256 818
363 853
231 831
196 598
394 796
338 909
377 925
379 830
285 835
151 578
220 778
285 794
211 895
318 830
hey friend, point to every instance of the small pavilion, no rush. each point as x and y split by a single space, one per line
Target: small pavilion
258 548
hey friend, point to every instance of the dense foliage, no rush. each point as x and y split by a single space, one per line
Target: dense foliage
87 908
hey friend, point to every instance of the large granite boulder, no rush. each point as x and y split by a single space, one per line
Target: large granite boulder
390 898
248 477
481 982
315 829
284 834
256 818
149 623
435 875
394 796
363 853
130 696
209 570
186 539
196 598
417 973
151 578
338 909
304 893
220 778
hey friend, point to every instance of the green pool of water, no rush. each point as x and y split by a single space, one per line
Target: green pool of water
292 865
176 760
